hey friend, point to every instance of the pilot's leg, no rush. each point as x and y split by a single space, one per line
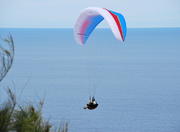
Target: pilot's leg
85 107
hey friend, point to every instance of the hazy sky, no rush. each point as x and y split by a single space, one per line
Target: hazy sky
63 13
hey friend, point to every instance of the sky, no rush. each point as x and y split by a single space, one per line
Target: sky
63 13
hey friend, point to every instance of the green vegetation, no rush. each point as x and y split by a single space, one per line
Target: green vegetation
17 118
13 116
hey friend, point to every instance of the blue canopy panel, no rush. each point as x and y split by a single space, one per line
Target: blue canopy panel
122 23
93 22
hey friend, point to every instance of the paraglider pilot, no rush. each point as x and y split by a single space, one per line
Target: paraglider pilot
92 104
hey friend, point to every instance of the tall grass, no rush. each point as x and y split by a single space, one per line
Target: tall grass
17 118
13 116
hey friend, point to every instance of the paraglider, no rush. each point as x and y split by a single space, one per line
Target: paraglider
92 104
87 22
92 16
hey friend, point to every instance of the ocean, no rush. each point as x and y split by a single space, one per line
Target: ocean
136 83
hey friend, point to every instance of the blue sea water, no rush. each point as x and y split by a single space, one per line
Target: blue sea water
136 83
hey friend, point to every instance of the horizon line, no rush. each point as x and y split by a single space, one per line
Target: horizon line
72 27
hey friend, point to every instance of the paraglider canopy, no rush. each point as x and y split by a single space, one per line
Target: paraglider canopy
92 16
